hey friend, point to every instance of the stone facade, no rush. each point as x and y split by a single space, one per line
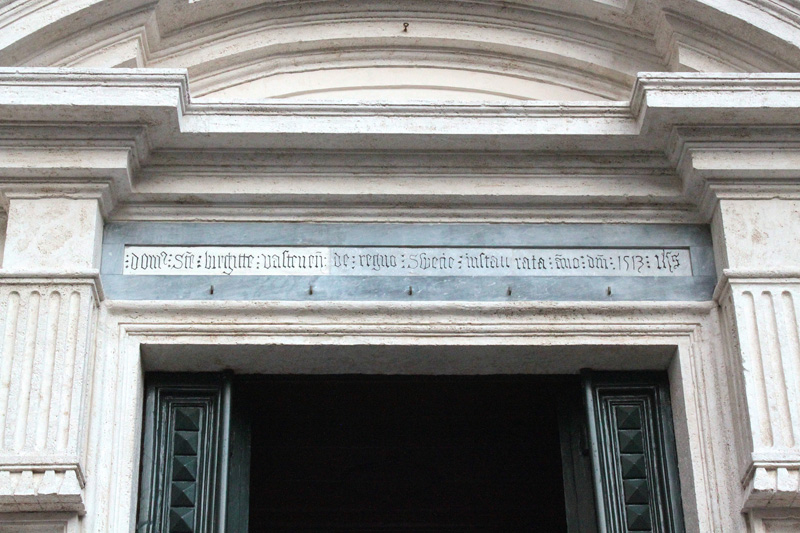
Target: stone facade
136 111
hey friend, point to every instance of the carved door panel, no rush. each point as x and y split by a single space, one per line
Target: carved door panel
635 463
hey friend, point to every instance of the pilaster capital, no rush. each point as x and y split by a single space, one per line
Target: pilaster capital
83 191
718 164
73 171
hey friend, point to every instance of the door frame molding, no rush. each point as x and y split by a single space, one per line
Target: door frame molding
682 338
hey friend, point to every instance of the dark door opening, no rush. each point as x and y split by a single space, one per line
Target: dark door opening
407 453
237 454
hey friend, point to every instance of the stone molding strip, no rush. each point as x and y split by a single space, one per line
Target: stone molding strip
53 488
86 277
730 276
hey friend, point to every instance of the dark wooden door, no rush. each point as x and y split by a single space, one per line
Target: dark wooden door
399 454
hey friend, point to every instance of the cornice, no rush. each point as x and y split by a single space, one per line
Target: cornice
727 50
422 109
713 81
721 132
94 77
690 103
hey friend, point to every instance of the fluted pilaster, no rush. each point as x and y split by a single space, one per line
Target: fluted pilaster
46 328
766 352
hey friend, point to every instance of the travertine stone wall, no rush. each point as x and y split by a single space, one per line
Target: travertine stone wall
48 309
53 234
46 330
760 305
766 313
758 235
79 143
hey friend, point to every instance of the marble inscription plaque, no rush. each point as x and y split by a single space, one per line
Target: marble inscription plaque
403 261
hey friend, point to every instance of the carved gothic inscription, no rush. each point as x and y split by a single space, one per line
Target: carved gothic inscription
403 261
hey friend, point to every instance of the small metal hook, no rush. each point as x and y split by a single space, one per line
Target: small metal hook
410 290
508 291
310 289
608 291
405 27
211 290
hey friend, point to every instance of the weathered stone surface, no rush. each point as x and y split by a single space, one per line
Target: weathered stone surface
80 147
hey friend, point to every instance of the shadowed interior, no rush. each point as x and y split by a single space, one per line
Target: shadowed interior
406 453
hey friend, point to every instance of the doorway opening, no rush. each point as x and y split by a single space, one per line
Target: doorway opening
409 453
